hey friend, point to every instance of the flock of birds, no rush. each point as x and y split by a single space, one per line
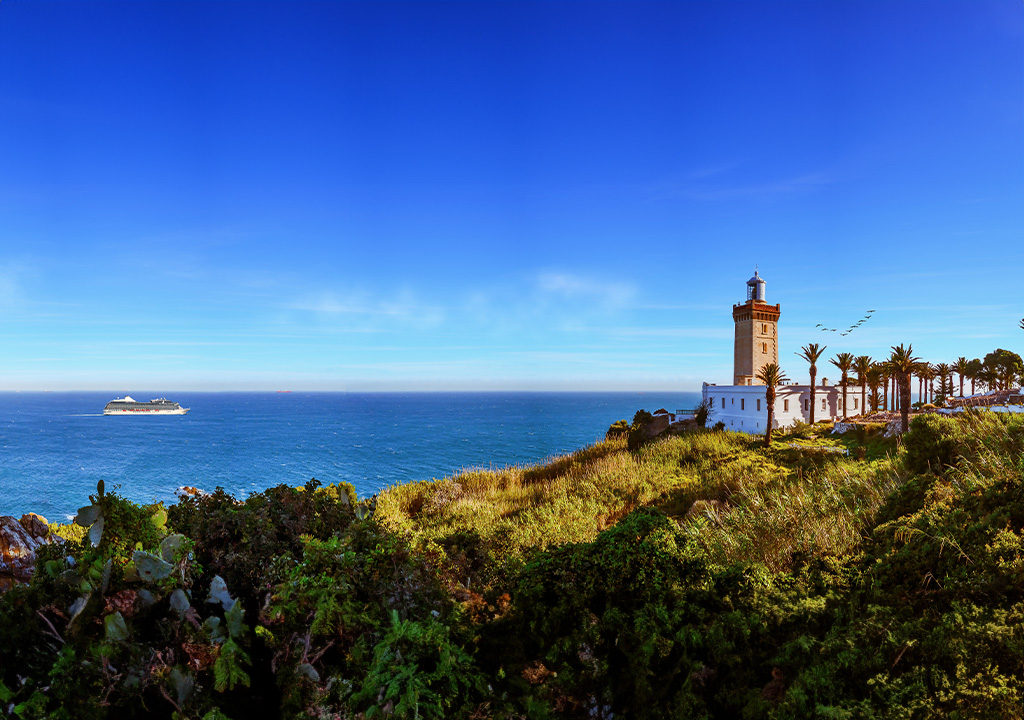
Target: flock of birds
849 329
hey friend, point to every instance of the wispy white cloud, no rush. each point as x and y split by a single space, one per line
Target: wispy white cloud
570 285
401 308
331 304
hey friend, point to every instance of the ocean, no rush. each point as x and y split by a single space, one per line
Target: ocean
54 447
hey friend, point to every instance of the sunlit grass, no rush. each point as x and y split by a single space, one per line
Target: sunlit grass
737 499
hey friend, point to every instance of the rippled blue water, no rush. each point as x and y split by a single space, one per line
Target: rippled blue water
54 447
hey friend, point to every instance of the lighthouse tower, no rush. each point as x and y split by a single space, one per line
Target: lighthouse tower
757 334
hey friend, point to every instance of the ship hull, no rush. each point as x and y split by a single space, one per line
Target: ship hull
143 411
129 406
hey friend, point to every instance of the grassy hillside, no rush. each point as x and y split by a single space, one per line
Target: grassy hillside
700 576
738 499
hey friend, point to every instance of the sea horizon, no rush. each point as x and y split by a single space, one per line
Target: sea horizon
57 444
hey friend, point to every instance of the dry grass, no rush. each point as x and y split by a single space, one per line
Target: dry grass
569 499
733 497
824 513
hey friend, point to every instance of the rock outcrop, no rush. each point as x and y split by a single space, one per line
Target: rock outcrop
19 540
657 425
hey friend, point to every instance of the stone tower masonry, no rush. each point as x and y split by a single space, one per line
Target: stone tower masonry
757 334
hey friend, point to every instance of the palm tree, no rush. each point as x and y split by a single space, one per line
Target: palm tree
975 372
962 366
843 361
901 363
875 383
812 353
921 370
1022 324
861 365
771 376
928 374
883 378
991 373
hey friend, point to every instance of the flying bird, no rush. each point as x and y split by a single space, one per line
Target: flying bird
849 329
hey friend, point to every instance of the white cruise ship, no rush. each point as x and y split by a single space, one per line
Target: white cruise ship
129 406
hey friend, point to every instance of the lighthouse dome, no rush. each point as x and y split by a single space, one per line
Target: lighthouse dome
755 288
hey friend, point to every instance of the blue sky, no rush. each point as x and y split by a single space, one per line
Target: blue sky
499 195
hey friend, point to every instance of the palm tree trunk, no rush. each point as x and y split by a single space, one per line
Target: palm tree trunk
814 375
844 399
770 398
905 401
885 394
863 397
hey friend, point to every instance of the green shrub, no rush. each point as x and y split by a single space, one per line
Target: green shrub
934 442
704 412
799 430
418 671
637 435
242 540
617 429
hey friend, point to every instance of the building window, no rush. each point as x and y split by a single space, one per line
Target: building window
742 403
723 403
764 329
807 404
785 406
855 403
759 406
823 403
732 401
764 348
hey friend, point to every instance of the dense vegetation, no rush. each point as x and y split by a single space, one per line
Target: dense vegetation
702 575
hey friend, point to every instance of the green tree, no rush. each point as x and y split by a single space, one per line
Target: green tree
862 365
901 363
703 412
962 366
1005 365
812 353
875 377
844 361
943 374
771 375
928 373
975 371
883 377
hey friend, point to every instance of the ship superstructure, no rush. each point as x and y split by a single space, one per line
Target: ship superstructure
129 406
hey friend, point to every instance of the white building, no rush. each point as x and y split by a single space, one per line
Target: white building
743 406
